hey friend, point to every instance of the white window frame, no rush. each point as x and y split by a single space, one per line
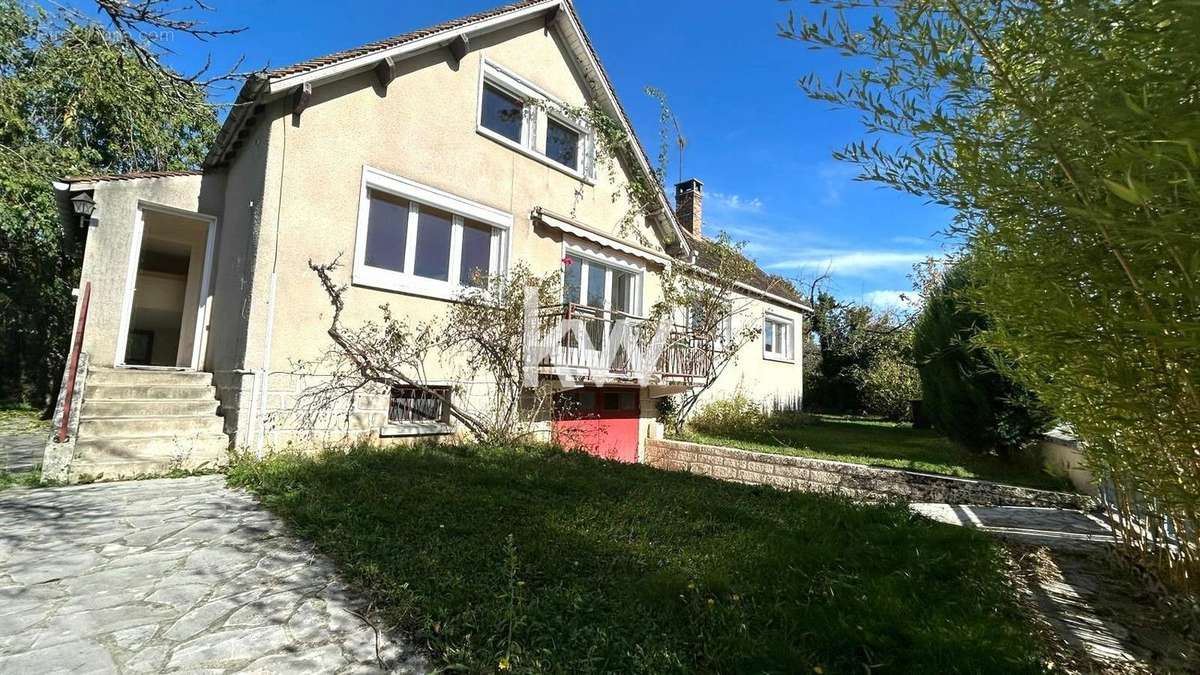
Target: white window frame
418 195
790 324
584 255
534 125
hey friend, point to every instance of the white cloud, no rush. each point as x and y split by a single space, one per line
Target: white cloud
850 262
900 300
735 202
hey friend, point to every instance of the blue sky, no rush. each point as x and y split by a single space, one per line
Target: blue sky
761 147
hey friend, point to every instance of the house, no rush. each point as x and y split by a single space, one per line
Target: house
419 159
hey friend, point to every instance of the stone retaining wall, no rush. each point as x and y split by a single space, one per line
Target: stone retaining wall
852 480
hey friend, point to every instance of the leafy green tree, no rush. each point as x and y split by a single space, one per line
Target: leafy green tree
863 360
74 99
1065 138
967 392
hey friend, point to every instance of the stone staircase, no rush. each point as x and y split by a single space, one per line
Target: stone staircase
135 421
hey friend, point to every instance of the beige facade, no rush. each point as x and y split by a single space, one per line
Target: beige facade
295 192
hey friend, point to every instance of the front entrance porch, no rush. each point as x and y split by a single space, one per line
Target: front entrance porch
166 291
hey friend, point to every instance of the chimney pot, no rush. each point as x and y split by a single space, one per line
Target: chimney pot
688 197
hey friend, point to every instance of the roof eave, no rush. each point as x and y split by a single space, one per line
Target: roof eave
322 74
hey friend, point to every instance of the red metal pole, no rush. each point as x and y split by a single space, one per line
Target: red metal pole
73 365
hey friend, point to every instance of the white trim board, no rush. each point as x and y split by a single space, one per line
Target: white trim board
200 339
437 40
418 194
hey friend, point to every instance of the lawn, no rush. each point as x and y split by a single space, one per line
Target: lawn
888 444
19 419
535 560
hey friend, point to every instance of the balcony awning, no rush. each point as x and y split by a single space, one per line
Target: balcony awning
565 224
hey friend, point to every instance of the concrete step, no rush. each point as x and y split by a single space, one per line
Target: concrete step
163 426
115 450
148 392
94 408
136 376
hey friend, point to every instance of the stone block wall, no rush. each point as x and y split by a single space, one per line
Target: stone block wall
851 480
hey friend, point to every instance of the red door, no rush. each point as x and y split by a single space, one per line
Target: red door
601 422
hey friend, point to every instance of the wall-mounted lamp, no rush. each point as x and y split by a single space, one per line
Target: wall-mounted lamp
83 205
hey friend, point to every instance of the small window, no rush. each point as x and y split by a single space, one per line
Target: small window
562 144
502 113
777 339
417 404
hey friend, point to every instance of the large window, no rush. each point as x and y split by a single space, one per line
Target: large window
518 114
777 338
415 239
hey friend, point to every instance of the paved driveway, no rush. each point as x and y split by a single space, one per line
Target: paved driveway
172 575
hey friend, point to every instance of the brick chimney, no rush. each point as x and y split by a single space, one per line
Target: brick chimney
688 196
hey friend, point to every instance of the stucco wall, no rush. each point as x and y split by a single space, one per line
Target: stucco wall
762 379
109 255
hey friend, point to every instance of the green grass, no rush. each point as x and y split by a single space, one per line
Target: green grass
888 444
20 419
560 562
29 479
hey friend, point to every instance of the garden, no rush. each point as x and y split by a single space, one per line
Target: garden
535 560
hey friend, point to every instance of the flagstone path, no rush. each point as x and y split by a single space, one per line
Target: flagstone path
173 575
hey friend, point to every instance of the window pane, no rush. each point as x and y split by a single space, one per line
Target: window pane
476 254
769 336
387 229
587 400
502 113
612 400
432 259
562 144
628 400
595 287
622 298
572 279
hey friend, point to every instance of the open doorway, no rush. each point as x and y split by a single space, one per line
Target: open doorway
167 298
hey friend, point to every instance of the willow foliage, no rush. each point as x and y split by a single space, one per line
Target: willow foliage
74 99
1066 137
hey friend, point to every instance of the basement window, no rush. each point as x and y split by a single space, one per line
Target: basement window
419 404
418 411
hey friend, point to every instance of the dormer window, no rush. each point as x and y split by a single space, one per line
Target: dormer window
516 113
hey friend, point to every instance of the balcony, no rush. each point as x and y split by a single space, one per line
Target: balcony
596 344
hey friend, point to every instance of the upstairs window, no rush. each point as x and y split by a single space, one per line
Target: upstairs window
502 113
518 114
562 144
415 239
777 338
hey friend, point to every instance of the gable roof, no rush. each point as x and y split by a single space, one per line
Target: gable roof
101 178
397 40
770 286
279 82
